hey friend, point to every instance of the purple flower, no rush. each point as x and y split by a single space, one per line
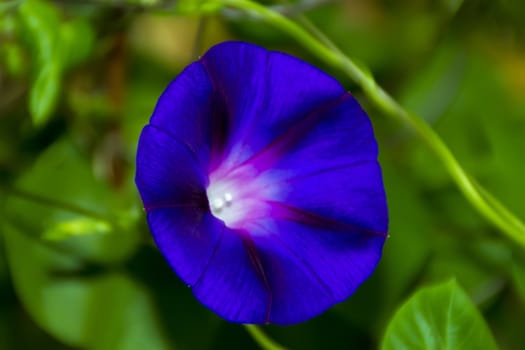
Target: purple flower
260 179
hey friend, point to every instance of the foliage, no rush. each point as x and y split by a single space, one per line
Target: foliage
78 81
440 317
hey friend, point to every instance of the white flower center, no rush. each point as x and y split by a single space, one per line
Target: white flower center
217 204
236 198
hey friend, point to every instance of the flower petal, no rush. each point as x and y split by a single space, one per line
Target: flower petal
168 173
185 108
234 285
288 159
339 134
312 267
187 237
297 292
349 195
331 170
265 93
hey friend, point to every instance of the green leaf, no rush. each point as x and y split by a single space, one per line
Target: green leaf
75 283
77 227
62 175
44 93
6 6
440 317
40 23
14 59
56 46
77 40
104 310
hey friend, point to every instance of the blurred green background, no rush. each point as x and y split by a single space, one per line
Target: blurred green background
78 81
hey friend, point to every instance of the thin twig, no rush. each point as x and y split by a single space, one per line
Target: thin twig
262 339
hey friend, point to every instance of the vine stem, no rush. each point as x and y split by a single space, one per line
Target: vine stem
262 339
484 202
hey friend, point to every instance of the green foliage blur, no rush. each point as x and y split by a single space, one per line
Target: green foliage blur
78 81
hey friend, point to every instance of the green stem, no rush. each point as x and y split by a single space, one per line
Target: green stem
480 198
262 339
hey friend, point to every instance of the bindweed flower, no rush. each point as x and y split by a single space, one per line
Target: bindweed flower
260 180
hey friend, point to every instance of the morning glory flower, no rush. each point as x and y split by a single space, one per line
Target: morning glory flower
259 176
